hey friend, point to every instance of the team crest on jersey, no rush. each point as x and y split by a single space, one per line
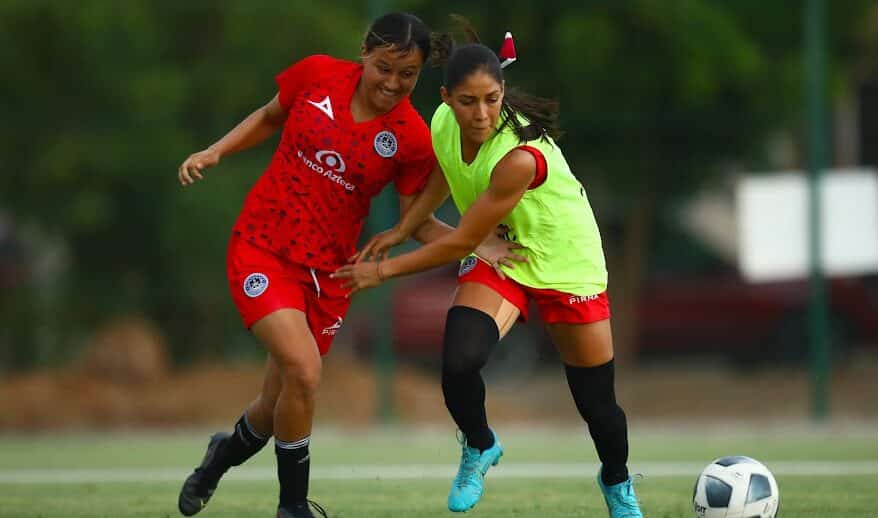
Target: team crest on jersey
467 265
385 144
255 284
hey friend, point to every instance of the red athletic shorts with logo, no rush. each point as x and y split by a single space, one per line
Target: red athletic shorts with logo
555 307
262 283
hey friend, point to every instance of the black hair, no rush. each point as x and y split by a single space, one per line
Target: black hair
406 32
464 60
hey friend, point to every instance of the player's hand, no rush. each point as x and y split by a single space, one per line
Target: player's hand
378 248
359 276
191 168
497 251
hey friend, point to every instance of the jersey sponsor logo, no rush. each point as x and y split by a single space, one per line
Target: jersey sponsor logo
333 329
332 160
385 144
328 164
467 265
255 284
325 106
578 299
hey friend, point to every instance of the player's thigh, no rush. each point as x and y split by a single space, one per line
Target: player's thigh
288 339
583 345
480 297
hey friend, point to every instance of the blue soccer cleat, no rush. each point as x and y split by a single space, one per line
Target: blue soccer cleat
469 484
620 499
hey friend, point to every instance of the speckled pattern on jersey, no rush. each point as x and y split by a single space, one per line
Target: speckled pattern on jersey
310 204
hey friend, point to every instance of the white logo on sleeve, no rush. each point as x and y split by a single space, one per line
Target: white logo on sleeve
385 144
255 284
333 329
325 106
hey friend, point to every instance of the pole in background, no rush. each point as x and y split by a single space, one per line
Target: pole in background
381 302
815 36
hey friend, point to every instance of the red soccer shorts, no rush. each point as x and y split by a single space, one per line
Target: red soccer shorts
262 283
555 307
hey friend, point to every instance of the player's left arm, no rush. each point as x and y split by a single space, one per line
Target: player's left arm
416 211
492 249
431 229
509 181
415 219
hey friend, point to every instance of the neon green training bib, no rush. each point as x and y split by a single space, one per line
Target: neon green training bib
553 222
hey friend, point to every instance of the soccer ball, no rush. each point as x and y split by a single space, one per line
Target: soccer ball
736 487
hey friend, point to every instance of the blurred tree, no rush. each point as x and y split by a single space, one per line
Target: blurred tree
656 97
101 101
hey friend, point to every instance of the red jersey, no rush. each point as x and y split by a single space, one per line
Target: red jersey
310 204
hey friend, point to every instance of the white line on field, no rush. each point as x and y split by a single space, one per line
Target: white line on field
415 471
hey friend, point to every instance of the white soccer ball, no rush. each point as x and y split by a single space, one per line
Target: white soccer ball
736 487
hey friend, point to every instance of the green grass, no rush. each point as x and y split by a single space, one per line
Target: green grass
662 496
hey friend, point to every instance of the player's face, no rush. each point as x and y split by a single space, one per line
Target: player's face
390 75
476 103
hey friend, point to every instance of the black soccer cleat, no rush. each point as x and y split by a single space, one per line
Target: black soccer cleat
301 510
199 486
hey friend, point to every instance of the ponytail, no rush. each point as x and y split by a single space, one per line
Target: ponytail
461 62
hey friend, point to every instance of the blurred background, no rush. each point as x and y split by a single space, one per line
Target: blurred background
114 310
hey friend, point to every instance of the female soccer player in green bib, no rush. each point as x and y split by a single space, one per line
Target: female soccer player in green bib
498 160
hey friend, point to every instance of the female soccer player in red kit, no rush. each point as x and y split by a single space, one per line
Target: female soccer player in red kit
349 129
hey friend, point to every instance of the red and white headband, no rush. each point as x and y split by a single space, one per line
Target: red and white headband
507 51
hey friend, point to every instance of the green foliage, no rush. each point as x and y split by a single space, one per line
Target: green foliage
105 101
654 94
101 101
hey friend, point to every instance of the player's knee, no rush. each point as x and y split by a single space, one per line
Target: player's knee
593 392
265 404
470 336
463 361
302 378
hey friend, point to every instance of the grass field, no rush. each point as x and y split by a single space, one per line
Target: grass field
406 473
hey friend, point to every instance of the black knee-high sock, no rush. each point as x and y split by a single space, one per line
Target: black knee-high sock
293 470
595 397
470 336
243 444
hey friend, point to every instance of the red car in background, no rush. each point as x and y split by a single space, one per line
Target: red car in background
752 321
694 315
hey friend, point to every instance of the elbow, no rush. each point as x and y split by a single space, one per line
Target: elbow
423 231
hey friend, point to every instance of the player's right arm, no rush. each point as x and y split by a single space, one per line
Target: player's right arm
258 126
416 219
495 250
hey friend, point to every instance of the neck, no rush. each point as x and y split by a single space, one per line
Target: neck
469 150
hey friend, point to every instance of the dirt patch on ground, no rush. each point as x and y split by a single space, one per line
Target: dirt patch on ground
212 395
